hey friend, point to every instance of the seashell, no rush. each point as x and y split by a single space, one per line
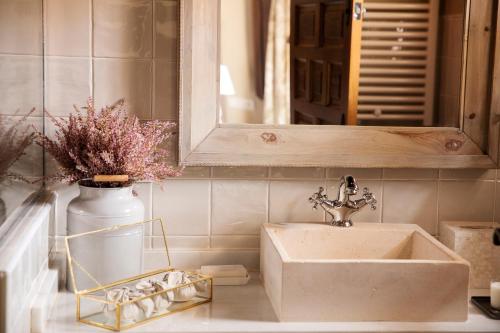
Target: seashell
182 294
201 286
128 312
146 305
146 287
162 301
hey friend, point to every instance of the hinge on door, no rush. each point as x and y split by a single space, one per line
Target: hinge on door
358 11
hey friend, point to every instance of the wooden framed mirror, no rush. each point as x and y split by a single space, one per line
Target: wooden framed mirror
472 142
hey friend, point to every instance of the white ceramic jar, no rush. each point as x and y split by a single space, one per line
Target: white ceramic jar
109 256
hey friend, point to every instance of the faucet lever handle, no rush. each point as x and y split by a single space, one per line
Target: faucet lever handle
369 198
318 197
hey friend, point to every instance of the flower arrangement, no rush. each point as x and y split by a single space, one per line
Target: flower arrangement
13 142
109 142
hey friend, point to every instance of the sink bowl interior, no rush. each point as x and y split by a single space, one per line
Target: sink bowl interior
358 244
368 272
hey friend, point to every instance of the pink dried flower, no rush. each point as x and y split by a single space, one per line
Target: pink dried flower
14 139
109 142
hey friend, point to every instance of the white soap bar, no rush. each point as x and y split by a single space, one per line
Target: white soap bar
495 294
225 271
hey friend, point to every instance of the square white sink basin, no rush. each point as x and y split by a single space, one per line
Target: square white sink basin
368 272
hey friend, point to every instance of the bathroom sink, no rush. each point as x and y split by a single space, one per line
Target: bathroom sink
368 272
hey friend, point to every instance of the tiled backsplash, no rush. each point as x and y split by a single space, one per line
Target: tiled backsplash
213 215
128 49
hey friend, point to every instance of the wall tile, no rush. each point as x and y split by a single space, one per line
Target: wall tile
123 28
196 172
166 29
298 173
65 194
21 84
466 200
486 174
182 242
497 202
239 172
366 214
67 83
144 192
411 202
172 147
289 201
165 90
235 242
238 207
403 174
20 27
358 173
129 79
189 259
67 27
184 206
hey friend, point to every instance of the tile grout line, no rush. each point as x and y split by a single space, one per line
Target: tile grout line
153 62
381 205
495 204
210 210
268 203
91 49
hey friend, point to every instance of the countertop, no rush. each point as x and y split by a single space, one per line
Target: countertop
247 309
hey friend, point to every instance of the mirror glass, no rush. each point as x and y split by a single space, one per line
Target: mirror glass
21 107
288 62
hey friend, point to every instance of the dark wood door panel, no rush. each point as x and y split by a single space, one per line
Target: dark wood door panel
319 60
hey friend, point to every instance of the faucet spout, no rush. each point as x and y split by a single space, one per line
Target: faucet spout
343 208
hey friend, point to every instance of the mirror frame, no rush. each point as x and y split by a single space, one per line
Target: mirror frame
205 142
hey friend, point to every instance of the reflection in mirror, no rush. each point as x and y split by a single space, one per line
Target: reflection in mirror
21 93
296 62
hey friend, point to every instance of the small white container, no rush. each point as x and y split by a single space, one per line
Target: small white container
119 253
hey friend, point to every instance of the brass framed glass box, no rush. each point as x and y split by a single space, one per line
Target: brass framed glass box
158 291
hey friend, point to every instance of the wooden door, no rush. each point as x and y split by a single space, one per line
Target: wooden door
320 51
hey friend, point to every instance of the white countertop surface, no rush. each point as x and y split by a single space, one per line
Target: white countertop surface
247 309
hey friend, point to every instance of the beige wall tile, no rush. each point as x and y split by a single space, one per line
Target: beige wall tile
67 83
403 174
366 214
411 202
182 242
497 202
144 192
466 200
298 173
120 78
165 90
486 174
123 28
196 172
240 172
289 201
166 29
358 173
235 242
189 259
12 199
238 207
28 165
65 193
184 206
21 87
172 147
21 27
67 28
